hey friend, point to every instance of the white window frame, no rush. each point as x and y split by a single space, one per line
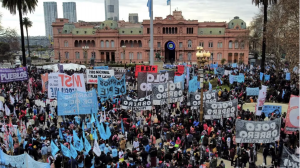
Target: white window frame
112 43
180 44
122 55
189 56
236 45
230 44
210 44
107 44
190 43
66 44
102 43
93 55
67 55
77 55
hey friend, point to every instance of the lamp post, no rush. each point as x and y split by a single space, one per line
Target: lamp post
124 48
85 49
201 59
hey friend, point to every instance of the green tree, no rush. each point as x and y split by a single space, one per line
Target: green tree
23 7
265 3
223 61
27 23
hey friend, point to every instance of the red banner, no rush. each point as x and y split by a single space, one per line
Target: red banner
180 70
292 117
145 68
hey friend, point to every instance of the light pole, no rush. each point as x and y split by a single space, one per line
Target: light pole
201 59
85 49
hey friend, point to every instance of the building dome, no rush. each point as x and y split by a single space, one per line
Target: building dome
236 21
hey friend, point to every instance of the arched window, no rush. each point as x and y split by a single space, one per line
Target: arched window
102 43
66 44
230 44
219 56
236 44
140 43
189 43
77 55
67 55
220 44
107 43
112 43
76 43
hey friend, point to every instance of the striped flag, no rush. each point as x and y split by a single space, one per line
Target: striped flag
168 2
149 5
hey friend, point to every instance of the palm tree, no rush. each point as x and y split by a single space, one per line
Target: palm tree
265 3
27 23
23 7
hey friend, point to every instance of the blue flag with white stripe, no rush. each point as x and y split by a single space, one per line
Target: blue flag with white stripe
168 2
149 5
54 148
210 86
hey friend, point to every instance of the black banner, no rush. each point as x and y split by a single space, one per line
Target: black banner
289 160
218 110
195 99
136 104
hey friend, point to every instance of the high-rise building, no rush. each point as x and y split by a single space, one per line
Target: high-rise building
50 14
69 9
133 17
111 10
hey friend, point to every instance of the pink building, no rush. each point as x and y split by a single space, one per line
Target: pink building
175 38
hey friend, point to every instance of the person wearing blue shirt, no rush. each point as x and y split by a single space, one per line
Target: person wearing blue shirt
107 149
147 148
102 146
114 154
44 152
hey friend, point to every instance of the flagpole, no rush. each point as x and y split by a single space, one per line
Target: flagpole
151 35
170 6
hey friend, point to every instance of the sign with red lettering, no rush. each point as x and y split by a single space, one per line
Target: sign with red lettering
64 83
292 117
145 68
180 70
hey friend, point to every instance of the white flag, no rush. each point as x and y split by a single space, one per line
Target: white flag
7 111
12 100
96 148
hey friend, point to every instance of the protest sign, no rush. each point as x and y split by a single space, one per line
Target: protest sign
195 98
168 66
175 93
214 65
145 68
288 159
261 99
193 87
159 93
292 118
92 75
70 103
12 75
227 72
218 110
257 131
236 78
111 87
269 109
234 65
119 73
44 78
252 91
129 75
288 76
136 104
146 79
102 67
180 70
64 83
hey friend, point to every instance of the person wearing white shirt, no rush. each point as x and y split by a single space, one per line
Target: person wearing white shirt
136 144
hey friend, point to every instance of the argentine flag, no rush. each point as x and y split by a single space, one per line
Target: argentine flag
149 5
168 2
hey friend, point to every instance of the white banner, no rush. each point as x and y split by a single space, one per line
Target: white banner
93 74
64 83
261 99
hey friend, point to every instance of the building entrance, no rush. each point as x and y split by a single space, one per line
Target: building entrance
170 52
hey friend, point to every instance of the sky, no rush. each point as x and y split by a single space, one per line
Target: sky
93 10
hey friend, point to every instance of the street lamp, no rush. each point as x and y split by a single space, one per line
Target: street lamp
85 49
124 48
201 59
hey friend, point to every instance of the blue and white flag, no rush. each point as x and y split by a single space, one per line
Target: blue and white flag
193 85
267 77
11 142
92 118
149 5
73 151
54 148
95 136
168 2
122 126
261 75
215 71
60 134
283 93
221 81
287 76
66 152
82 127
87 145
24 144
19 136
210 86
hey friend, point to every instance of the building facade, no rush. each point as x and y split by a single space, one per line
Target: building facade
133 17
69 10
175 38
50 15
111 10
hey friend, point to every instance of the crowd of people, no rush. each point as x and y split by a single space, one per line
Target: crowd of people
167 136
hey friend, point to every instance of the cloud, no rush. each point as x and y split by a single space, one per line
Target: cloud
93 10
